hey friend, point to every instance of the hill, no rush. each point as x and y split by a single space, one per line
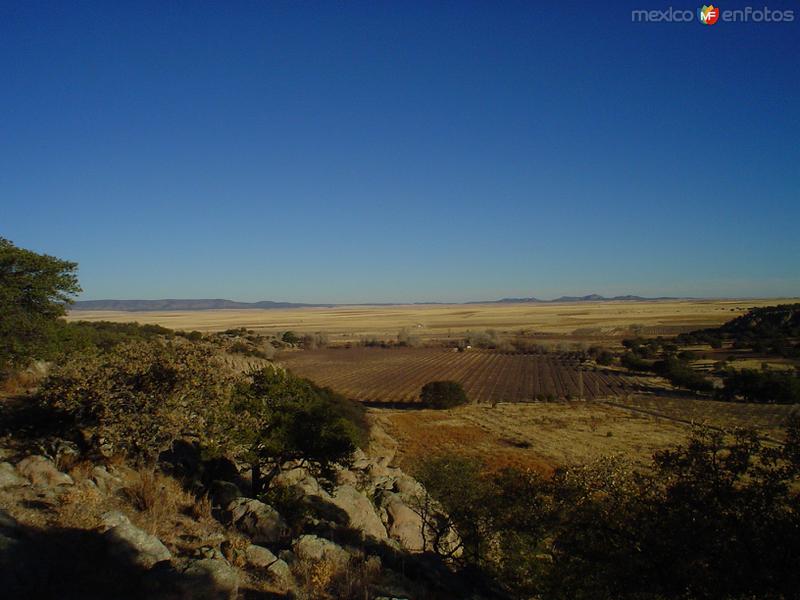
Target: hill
183 304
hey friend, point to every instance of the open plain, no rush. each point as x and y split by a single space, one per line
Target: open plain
571 321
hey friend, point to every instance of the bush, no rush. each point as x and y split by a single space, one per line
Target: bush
138 398
604 357
443 394
716 518
762 386
290 337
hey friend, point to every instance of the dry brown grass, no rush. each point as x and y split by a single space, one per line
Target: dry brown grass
19 382
542 436
328 580
159 500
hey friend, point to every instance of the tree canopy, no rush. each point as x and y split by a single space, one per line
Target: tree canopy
34 292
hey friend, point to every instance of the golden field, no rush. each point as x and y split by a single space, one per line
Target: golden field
546 435
570 321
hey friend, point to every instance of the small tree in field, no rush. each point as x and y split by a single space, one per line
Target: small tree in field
443 394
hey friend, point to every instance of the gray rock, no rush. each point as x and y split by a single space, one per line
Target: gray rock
210 579
129 543
359 510
105 481
405 526
281 574
259 557
9 476
42 472
262 523
314 549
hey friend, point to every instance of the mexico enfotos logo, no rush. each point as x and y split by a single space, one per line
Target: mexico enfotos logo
710 15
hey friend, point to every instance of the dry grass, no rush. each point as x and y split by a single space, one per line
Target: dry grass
542 436
328 580
19 382
592 320
157 497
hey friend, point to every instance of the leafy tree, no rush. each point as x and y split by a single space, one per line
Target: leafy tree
277 418
34 292
761 386
443 394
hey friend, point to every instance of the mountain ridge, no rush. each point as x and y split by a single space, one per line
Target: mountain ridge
168 304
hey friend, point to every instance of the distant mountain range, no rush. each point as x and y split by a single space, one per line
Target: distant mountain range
588 298
219 303
174 304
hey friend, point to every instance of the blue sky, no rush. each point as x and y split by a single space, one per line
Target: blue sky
401 151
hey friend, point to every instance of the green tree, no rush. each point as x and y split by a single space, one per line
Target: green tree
277 418
443 394
34 292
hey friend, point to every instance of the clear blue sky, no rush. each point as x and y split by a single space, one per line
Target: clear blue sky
401 151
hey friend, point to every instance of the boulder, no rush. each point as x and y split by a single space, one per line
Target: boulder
128 542
258 556
210 579
314 549
42 472
262 523
360 511
9 476
222 493
277 568
105 481
404 525
408 487
302 481
281 574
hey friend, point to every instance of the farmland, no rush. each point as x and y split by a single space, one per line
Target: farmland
605 322
396 375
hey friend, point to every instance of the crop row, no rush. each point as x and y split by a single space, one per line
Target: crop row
396 375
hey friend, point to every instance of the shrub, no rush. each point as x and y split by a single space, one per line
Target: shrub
290 337
762 386
139 397
443 394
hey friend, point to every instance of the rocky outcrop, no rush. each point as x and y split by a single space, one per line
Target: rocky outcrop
260 522
105 481
129 543
41 471
313 548
278 570
360 511
210 579
10 478
404 524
